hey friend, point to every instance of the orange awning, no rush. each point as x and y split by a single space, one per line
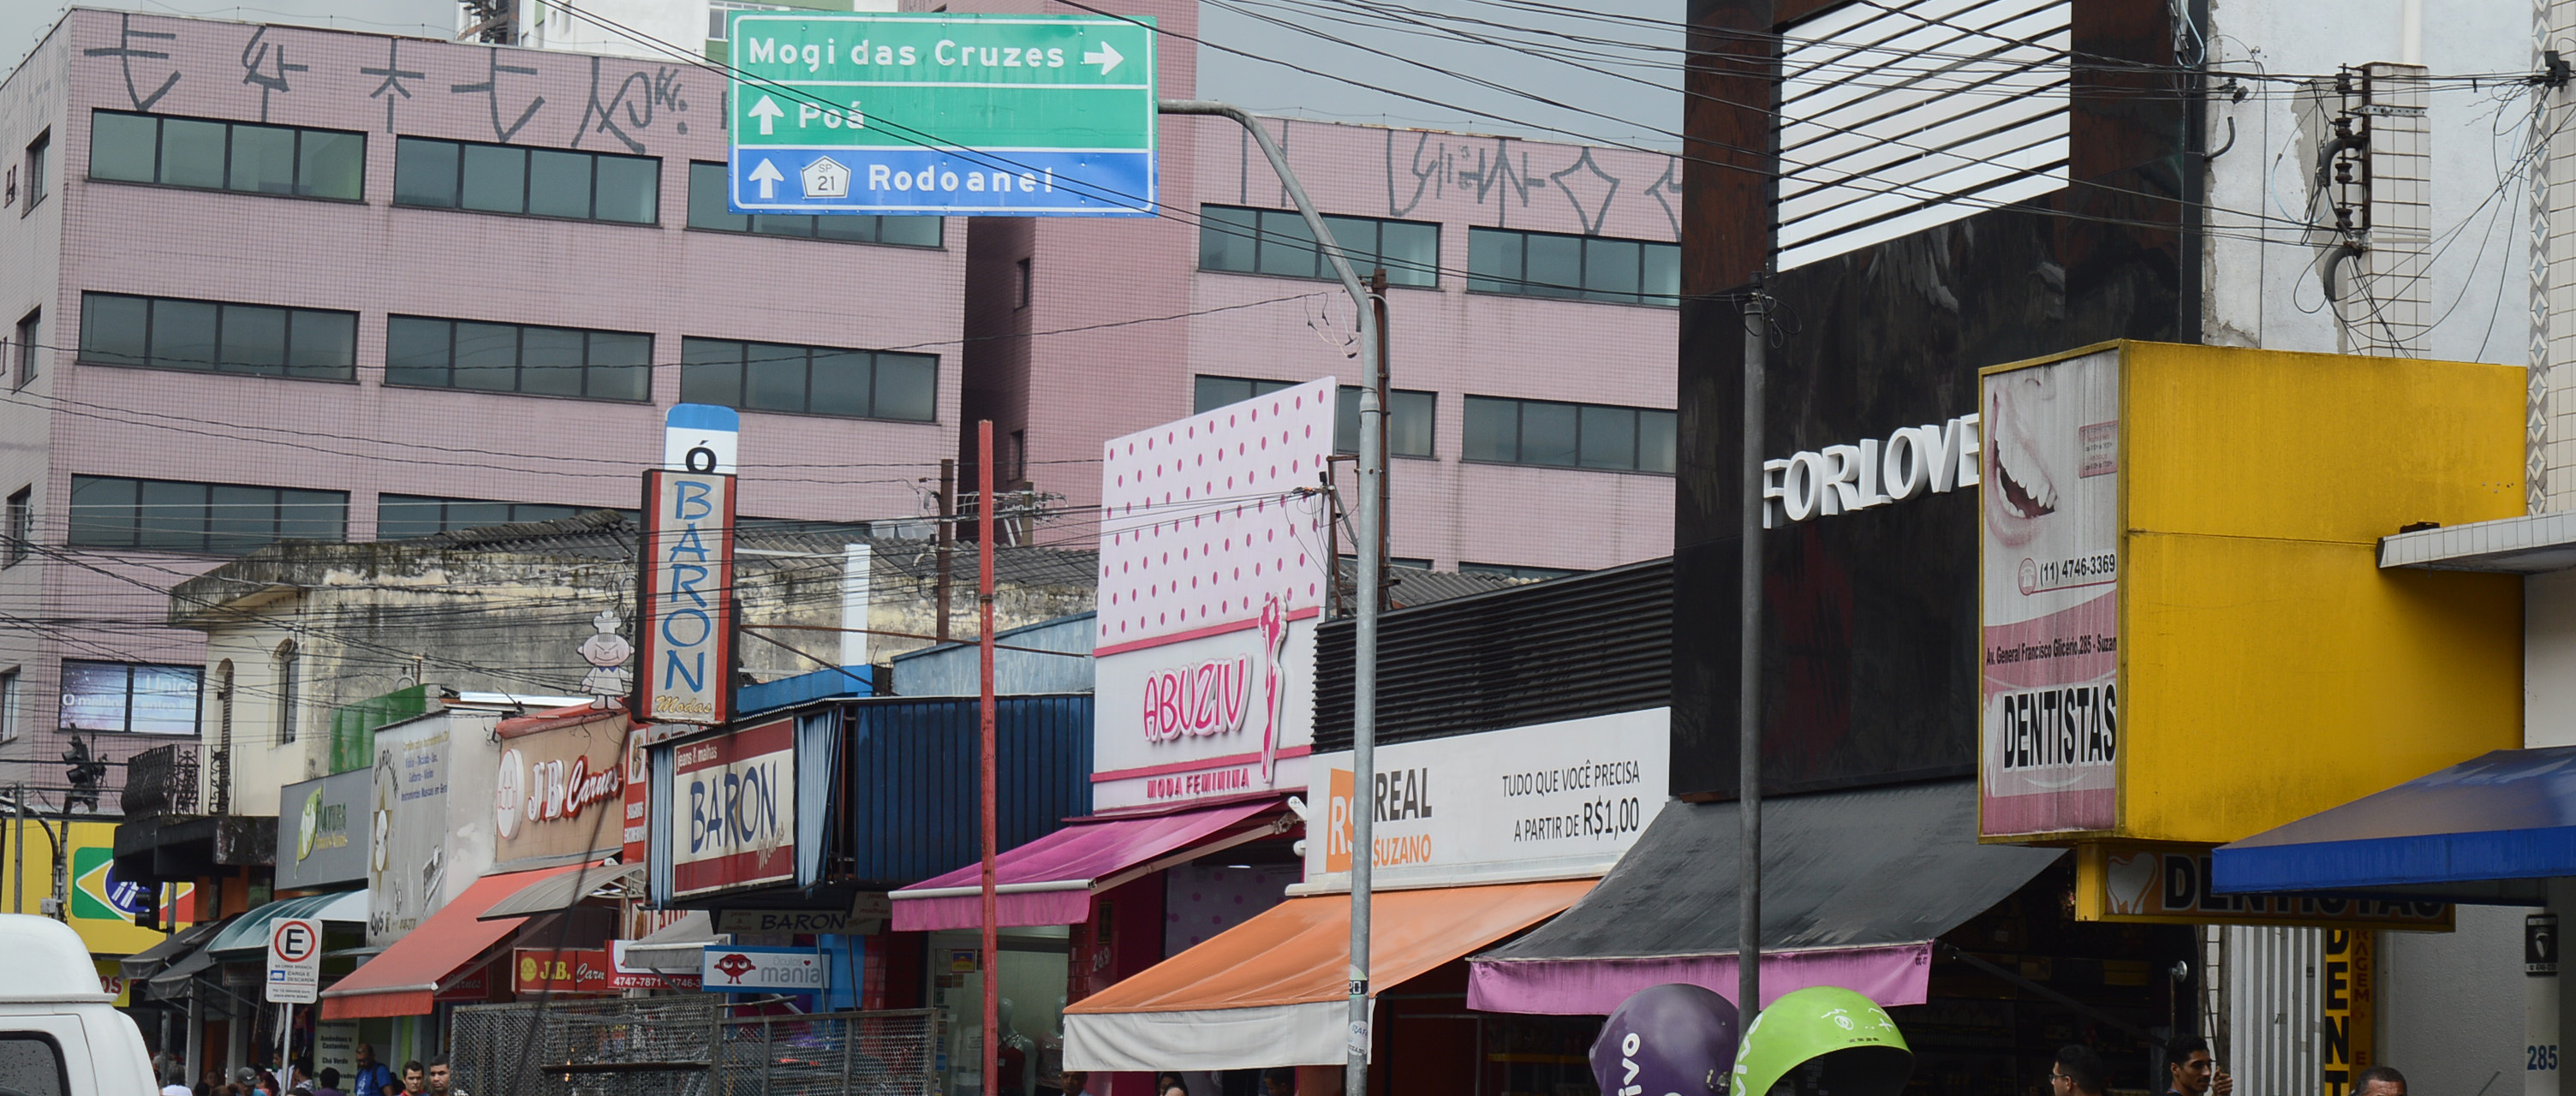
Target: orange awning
404 980
1272 991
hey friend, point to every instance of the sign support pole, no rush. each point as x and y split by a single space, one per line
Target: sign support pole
992 1041
1748 712
1372 566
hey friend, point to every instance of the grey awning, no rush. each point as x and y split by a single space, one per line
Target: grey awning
149 961
1847 876
556 893
678 947
2533 544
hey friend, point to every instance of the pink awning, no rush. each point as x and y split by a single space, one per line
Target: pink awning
1050 881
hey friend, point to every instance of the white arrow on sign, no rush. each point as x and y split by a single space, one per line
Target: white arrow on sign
768 177
768 113
1106 57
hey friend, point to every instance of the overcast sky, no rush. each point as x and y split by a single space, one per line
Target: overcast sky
1618 58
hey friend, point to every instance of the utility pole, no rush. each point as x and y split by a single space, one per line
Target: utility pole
18 851
1372 551
947 537
1748 711
991 1049
1386 404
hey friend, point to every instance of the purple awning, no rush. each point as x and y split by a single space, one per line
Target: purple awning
1050 881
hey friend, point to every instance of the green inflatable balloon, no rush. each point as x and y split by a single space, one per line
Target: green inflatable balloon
1821 1041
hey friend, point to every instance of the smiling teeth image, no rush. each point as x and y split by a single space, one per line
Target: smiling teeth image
2022 479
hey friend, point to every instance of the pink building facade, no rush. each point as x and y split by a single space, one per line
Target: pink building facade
266 281
234 385
1087 330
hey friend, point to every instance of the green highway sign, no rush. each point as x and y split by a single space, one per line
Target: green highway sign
942 113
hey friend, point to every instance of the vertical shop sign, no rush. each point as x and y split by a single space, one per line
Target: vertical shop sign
2049 597
2344 984
684 670
733 809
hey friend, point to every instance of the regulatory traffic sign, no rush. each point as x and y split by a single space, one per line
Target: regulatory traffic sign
294 961
942 113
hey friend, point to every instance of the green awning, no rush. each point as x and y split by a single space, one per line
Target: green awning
247 937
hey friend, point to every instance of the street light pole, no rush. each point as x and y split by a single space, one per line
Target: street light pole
1372 567
1748 712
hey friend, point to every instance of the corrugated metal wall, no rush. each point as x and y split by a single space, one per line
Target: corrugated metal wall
1590 644
2274 1013
910 770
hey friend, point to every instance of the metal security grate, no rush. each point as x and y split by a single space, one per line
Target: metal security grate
683 1046
832 1054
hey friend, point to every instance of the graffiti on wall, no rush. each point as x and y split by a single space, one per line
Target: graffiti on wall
169 66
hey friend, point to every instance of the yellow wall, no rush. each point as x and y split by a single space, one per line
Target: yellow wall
2270 668
100 924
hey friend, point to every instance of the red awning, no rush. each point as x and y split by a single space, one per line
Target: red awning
402 979
1050 881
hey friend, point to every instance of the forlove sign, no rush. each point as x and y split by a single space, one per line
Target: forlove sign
1841 479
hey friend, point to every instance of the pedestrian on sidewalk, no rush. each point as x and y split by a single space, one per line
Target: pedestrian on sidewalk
2077 1072
2190 1071
2379 1081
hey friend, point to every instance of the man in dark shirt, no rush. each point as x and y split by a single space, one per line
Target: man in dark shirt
2191 1071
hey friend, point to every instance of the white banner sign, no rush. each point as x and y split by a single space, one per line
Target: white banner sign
762 970
733 809
1552 799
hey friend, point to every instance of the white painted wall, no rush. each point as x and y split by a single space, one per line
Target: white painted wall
2450 1004
2549 660
2265 292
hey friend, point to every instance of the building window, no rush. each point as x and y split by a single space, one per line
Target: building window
39 151
1025 286
1591 268
135 697
23 349
9 698
505 357
1408 427
22 525
816 380
213 336
216 518
539 182
1270 241
1569 435
708 210
404 517
238 156
290 694
1509 571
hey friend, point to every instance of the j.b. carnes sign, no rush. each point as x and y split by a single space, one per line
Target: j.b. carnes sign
685 654
583 971
733 809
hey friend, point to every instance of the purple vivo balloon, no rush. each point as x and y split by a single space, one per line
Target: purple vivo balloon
1667 1040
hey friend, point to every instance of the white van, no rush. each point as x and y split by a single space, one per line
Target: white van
60 1036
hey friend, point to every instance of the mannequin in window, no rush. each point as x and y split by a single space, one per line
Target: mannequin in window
1013 1055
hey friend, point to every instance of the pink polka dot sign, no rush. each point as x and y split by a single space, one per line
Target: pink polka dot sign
1207 519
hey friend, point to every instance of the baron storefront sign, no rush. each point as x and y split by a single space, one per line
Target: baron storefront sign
763 970
2049 545
733 809
2170 884
1564 797
551 782
686 653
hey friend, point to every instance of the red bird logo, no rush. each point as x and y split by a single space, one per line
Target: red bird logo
736 965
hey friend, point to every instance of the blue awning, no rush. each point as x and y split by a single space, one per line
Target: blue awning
2486 830
247 936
